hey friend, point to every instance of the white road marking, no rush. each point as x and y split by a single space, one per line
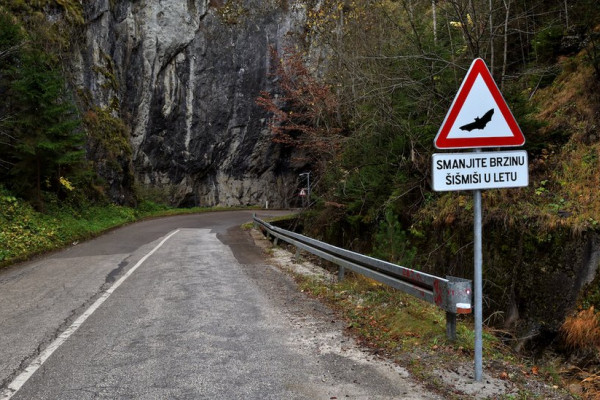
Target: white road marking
21 379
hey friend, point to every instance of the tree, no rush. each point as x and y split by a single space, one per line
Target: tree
391 242
304 109
48 144
40 142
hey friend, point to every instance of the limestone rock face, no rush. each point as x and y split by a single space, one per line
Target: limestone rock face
184 76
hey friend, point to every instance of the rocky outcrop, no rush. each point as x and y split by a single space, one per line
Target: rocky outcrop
184 76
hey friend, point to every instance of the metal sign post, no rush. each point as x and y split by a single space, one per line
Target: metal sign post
307 192
478 286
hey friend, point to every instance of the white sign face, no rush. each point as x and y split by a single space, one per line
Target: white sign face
479 106
475 171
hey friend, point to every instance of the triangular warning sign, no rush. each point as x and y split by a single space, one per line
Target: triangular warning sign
479 115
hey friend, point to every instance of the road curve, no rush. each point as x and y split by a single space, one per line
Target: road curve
177 308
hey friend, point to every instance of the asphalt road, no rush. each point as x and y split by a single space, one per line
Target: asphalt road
177 308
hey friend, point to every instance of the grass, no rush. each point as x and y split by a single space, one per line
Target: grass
389 319
582 331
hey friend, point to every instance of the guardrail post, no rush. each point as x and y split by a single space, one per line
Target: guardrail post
341 273
297 254
450 326
457 300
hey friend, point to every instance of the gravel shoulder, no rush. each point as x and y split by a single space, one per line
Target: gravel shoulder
348 369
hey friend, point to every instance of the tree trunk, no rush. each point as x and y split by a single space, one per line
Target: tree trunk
491 22
434 15
505 61
38 186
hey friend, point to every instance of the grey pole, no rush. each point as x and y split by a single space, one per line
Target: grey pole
478 260
307 174
308 189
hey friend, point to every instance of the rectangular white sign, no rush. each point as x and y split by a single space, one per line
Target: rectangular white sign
474 171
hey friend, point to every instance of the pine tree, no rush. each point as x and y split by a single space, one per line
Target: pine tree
47 143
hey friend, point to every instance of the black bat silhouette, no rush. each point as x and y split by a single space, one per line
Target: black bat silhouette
479 123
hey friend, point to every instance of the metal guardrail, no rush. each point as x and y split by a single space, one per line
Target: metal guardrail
451 294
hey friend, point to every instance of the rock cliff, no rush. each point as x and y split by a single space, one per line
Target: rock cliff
184 76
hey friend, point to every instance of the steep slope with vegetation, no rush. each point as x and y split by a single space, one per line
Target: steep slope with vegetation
55 145
41 146
52 159
393 68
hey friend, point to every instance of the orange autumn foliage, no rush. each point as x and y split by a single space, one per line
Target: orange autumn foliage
305 110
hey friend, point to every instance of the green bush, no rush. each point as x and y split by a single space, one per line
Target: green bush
392 243
25 232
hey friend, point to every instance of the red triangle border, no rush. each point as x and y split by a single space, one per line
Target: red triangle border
442 141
